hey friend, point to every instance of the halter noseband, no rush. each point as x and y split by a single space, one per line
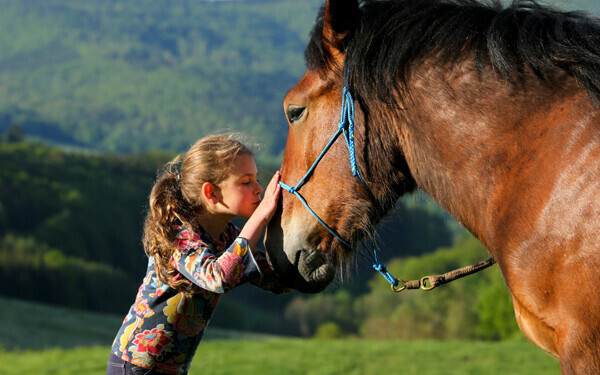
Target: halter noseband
347 120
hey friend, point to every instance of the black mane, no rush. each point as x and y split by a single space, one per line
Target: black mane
395 34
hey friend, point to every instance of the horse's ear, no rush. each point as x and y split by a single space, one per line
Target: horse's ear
340 22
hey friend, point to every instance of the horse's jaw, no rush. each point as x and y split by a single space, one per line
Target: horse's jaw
299 265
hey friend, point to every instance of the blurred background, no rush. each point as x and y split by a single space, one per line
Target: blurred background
95 96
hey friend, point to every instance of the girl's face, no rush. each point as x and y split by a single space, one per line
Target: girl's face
240 191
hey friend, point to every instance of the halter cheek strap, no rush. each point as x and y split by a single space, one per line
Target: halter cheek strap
346 121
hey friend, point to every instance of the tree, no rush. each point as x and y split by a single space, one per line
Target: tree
329 330
496 317
15 134
3 219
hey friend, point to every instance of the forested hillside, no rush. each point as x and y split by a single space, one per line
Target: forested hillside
70 230
131 76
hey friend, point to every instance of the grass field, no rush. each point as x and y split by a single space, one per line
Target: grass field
313 357
37 339
34 326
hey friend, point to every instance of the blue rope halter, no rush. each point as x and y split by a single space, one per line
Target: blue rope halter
347 120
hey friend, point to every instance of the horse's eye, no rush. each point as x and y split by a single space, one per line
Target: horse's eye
294 113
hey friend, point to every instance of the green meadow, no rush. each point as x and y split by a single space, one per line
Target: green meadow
39 339
314 357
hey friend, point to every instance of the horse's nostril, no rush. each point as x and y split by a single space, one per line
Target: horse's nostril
297 258
309 261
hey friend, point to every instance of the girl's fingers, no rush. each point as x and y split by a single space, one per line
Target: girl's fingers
275 178
274 183
272 194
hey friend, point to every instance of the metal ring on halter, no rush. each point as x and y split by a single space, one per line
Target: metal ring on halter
400 287
424 281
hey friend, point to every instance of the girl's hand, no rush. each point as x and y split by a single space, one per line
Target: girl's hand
263 213
268 205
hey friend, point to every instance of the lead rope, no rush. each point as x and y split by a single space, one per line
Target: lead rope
432 282
397 285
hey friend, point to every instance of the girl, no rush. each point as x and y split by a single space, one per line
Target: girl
195 254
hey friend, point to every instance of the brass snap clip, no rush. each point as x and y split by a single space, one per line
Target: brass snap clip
427 280
400 287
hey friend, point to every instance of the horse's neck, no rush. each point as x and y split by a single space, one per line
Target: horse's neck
470 152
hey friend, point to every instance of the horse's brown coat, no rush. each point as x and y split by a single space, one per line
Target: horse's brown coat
517 163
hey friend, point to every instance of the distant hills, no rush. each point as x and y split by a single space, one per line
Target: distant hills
134 76
144 75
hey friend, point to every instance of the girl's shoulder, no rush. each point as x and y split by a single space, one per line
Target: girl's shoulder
195 236
231 232
187 238
184 233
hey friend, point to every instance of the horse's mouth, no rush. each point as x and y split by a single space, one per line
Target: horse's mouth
299 265
315 271
310 271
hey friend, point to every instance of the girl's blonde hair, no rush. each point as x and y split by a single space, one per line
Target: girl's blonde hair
175 198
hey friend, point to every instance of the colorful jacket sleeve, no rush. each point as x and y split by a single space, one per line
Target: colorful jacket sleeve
268 279
197 263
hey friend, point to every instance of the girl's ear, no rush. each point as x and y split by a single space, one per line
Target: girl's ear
208 193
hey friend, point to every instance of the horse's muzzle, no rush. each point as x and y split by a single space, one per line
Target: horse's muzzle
301 268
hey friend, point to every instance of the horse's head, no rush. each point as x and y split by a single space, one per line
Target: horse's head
300 249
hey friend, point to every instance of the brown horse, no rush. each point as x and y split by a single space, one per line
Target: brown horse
493 112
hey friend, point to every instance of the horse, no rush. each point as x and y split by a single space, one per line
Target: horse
493 111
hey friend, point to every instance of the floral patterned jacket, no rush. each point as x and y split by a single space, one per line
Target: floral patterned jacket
164 327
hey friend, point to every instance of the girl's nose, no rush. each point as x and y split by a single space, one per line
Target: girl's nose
259 190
